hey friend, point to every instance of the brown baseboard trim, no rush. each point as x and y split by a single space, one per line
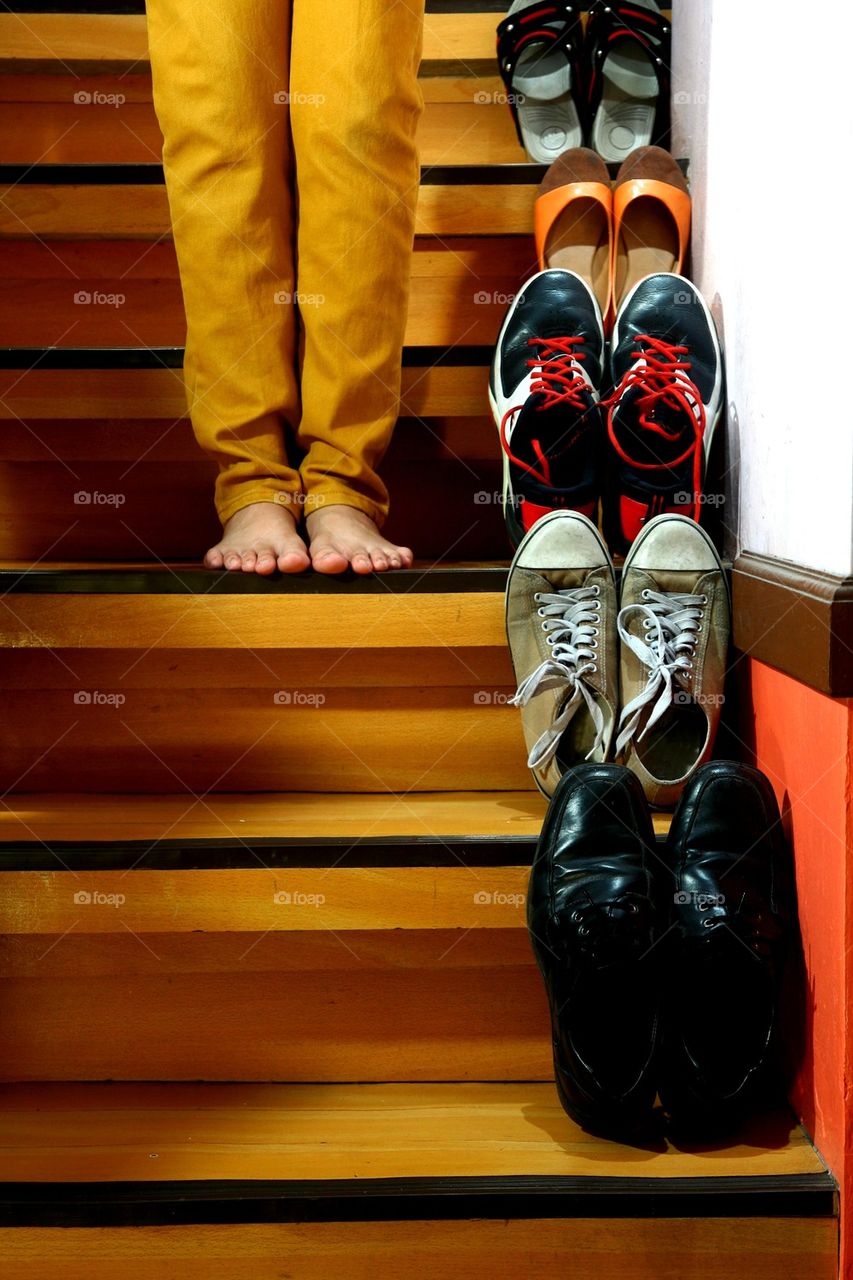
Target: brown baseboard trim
796 619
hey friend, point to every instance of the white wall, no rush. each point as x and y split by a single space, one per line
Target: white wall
763 109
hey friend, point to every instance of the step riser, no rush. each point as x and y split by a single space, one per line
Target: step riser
355 740
98 292
470 130
340 898
623 1249
314 1007
164 508
140 393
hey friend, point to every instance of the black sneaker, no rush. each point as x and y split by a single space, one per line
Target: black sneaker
667 374
544 392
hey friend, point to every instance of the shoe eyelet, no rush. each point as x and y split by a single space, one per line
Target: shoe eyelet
537 596
704 599
698 630
583 930
541 613
633 909
645 593
708 923
597 590
549 639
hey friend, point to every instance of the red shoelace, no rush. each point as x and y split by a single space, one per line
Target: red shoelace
663 380
559 382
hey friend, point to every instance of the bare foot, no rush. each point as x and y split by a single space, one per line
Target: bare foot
341 536
260 538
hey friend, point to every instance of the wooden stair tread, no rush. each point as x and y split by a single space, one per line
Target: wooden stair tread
268 863
91 42
429 817
461 43
173 1132
432 817
204 609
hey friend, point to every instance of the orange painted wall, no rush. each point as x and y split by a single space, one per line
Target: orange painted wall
802 741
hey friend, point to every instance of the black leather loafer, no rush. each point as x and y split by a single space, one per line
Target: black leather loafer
731 914
593 923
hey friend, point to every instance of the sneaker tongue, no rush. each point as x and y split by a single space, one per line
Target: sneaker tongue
547 439
644 445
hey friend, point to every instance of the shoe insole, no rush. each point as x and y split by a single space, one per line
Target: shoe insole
626 114
547 115
578 739
647 245
673 745
579 241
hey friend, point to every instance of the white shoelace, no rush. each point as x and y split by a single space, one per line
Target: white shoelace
572 619
675 620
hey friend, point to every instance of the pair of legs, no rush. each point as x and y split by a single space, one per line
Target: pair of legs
292 175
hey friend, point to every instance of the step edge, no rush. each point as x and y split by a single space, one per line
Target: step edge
100 1204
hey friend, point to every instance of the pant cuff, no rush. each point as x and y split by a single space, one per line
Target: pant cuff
317 499
246 494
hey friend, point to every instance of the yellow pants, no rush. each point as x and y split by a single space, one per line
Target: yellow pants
292 175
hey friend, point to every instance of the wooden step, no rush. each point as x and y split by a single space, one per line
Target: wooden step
128 202
111 120
336 862
461 287
310 937
460 41
442 1180
405 728
358 862
118 383
164 486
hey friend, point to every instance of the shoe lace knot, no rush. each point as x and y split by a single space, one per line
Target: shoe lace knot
671 624
571 620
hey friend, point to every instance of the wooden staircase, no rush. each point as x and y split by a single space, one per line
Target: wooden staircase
267 1001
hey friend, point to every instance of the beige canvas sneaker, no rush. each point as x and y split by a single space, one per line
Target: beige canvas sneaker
561 628
673 623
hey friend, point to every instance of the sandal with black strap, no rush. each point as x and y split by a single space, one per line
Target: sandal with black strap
540 54
628 53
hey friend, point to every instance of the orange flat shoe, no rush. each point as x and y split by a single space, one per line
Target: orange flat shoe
572 220
651 220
